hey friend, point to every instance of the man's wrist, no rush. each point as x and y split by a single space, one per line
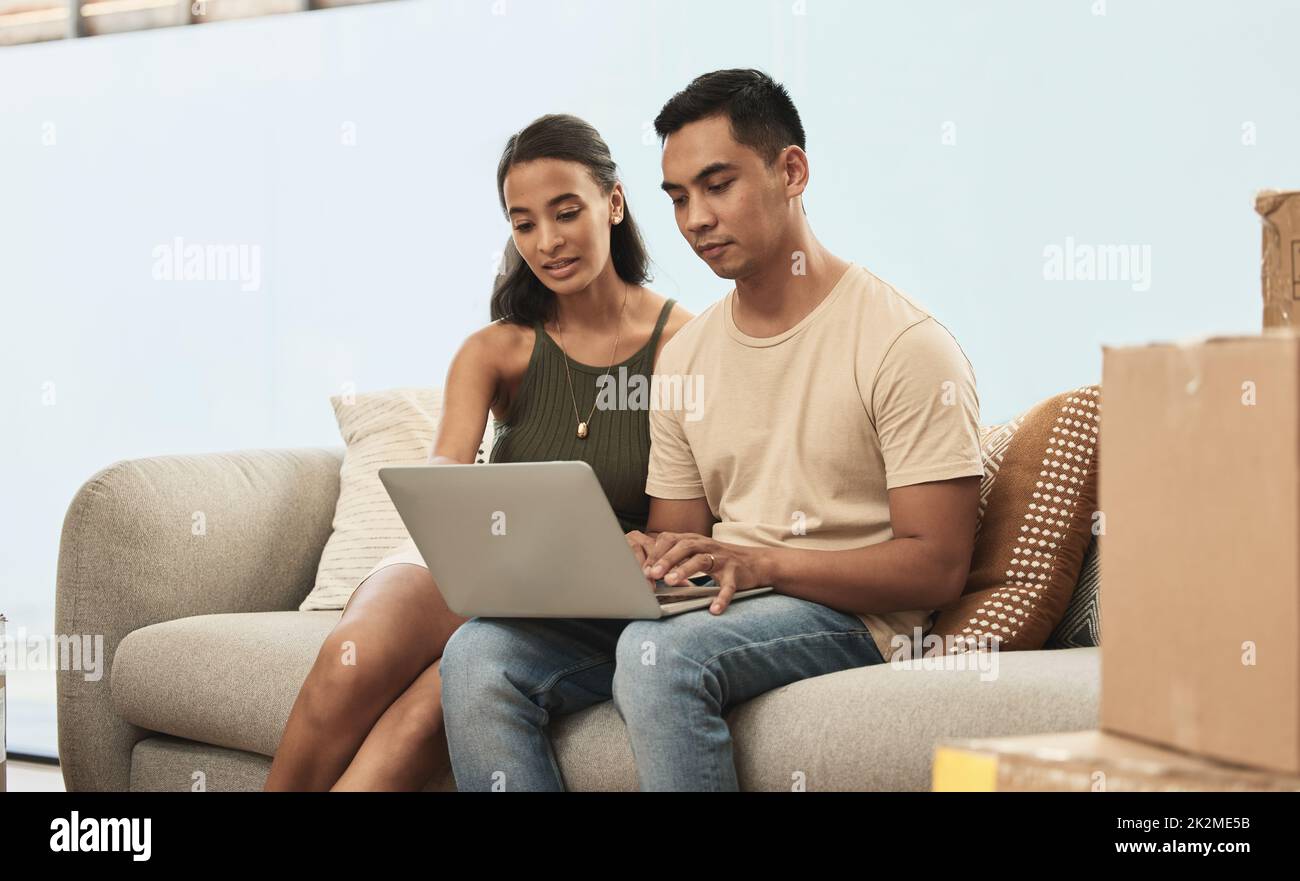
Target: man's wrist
767 565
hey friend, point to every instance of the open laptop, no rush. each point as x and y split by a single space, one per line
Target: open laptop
531 540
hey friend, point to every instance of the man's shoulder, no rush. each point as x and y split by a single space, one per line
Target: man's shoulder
883 307
899 325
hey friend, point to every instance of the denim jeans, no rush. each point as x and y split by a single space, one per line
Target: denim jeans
671 679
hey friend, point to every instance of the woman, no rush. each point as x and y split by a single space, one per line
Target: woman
571 307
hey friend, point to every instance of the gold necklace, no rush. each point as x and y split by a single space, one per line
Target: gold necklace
618 330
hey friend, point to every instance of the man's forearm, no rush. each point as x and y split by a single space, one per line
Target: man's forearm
892 576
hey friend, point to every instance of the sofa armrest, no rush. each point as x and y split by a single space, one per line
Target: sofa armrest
150 540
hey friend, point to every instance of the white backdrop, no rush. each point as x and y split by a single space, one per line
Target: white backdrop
951 144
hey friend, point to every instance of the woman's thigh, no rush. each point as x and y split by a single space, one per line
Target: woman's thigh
398 613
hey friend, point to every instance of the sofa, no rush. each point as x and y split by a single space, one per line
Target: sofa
192 568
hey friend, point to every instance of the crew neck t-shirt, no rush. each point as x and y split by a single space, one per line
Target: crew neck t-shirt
795 440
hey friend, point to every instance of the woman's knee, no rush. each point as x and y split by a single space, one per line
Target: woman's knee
338 687
359 669
404 599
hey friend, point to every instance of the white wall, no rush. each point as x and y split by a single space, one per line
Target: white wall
376 258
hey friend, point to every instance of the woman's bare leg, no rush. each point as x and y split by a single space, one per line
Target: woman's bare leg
394 627
408 745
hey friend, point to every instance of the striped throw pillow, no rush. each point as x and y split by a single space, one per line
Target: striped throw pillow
391 427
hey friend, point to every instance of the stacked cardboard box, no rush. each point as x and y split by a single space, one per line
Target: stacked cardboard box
1088 761
1199 484
1199 498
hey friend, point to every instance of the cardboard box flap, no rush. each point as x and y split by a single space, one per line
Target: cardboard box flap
1279 212
1269 201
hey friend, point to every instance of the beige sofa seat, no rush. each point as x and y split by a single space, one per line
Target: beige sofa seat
228 679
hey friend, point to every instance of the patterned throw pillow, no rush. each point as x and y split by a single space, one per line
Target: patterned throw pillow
390 427
1081 626
1037 500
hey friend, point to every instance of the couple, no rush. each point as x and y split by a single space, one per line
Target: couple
836 459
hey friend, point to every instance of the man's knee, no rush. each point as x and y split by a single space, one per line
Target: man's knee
655 663
474 646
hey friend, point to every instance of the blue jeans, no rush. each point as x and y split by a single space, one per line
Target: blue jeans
671 679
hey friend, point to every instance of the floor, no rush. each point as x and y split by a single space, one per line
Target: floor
33 777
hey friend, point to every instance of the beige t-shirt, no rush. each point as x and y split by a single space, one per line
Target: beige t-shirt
795 439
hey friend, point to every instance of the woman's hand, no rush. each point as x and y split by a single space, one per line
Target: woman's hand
673 556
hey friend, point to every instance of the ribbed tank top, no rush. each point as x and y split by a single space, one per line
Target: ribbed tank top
541 427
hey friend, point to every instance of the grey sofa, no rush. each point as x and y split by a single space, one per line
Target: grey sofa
204 651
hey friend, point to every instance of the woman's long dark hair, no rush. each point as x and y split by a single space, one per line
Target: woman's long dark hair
519 295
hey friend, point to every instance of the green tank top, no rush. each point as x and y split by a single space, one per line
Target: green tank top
541 427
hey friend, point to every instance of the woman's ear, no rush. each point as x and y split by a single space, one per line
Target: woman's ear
616 205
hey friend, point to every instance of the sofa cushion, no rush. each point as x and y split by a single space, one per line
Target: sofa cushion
230 680
391 427
227 679
875 728
1037 501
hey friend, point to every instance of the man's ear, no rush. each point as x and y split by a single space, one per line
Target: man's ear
794 166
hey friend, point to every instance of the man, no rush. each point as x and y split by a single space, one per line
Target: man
835 457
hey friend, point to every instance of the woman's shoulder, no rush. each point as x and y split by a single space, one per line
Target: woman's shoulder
677 317
501 342
502 336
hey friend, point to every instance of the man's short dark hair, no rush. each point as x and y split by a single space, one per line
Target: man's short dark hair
762 115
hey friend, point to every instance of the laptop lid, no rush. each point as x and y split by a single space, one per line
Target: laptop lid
520 539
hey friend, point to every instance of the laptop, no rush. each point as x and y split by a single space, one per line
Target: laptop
531 540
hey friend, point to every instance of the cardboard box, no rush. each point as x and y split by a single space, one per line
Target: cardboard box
1280 271
1088 761
1199 489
